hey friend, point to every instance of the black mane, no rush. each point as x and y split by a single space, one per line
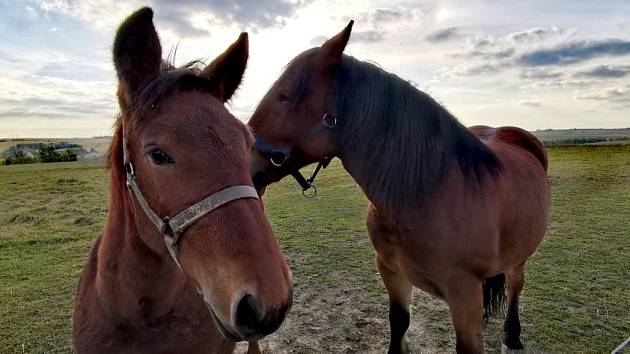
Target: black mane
399 140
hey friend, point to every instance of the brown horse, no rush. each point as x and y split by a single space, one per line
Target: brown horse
453 211
213 273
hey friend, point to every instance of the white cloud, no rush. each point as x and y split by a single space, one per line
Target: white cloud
614 93
379 17
530 103
472 69
535 34
541 73
556 84
445 34
100 14
185 17
605 71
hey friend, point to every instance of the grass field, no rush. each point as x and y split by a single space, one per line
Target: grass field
576 297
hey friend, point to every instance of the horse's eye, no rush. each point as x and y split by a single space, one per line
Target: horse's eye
159 157
283 97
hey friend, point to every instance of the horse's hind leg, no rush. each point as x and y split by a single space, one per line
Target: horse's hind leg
399 289
512 324
465 300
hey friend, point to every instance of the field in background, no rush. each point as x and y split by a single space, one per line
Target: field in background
548 136
584 136
617 136
575 297
100 144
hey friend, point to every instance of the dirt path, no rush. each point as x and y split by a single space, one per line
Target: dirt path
339 320
349 319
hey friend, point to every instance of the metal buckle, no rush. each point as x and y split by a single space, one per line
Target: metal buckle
172 250
165 229
329 121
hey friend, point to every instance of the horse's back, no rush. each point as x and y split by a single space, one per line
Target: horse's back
512 136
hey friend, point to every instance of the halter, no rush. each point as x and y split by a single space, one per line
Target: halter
279 155
172 228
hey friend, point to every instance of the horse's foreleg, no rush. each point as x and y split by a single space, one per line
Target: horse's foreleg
399 289
512 325
465 300
254 348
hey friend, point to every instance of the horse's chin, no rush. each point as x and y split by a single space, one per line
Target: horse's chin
223 329
260 183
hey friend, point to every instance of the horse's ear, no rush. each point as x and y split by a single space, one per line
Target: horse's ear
225 73
137 53
333 48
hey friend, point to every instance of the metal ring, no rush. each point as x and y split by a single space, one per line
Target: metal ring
327 123
310 195
278 164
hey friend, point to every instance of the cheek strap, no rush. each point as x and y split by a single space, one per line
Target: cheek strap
172 228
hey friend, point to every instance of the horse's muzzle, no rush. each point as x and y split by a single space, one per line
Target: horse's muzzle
253 322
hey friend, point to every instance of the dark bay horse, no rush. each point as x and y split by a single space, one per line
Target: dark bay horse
212 273
453 211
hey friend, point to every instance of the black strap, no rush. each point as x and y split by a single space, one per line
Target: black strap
279 155
307 183
276 155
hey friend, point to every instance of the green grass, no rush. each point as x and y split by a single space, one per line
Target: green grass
49 217
579 280
577 283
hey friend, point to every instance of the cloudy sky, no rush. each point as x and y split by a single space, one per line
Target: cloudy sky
532 63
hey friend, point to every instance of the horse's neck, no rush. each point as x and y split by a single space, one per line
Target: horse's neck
400 187
131 279
365 180
402 146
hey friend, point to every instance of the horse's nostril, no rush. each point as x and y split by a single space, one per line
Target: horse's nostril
253 321
248 314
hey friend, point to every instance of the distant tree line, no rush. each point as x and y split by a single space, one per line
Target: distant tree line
46 154
582 140
49 154
20 158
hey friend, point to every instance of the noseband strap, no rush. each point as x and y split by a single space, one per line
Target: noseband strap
172 228
279 155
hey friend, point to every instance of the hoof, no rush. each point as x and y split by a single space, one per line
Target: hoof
402 349
513 343
506 350
254 348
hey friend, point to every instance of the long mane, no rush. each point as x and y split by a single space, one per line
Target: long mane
401 141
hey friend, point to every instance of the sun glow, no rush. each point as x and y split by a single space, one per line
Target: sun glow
442 14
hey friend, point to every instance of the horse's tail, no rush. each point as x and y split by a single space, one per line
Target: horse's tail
493 295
